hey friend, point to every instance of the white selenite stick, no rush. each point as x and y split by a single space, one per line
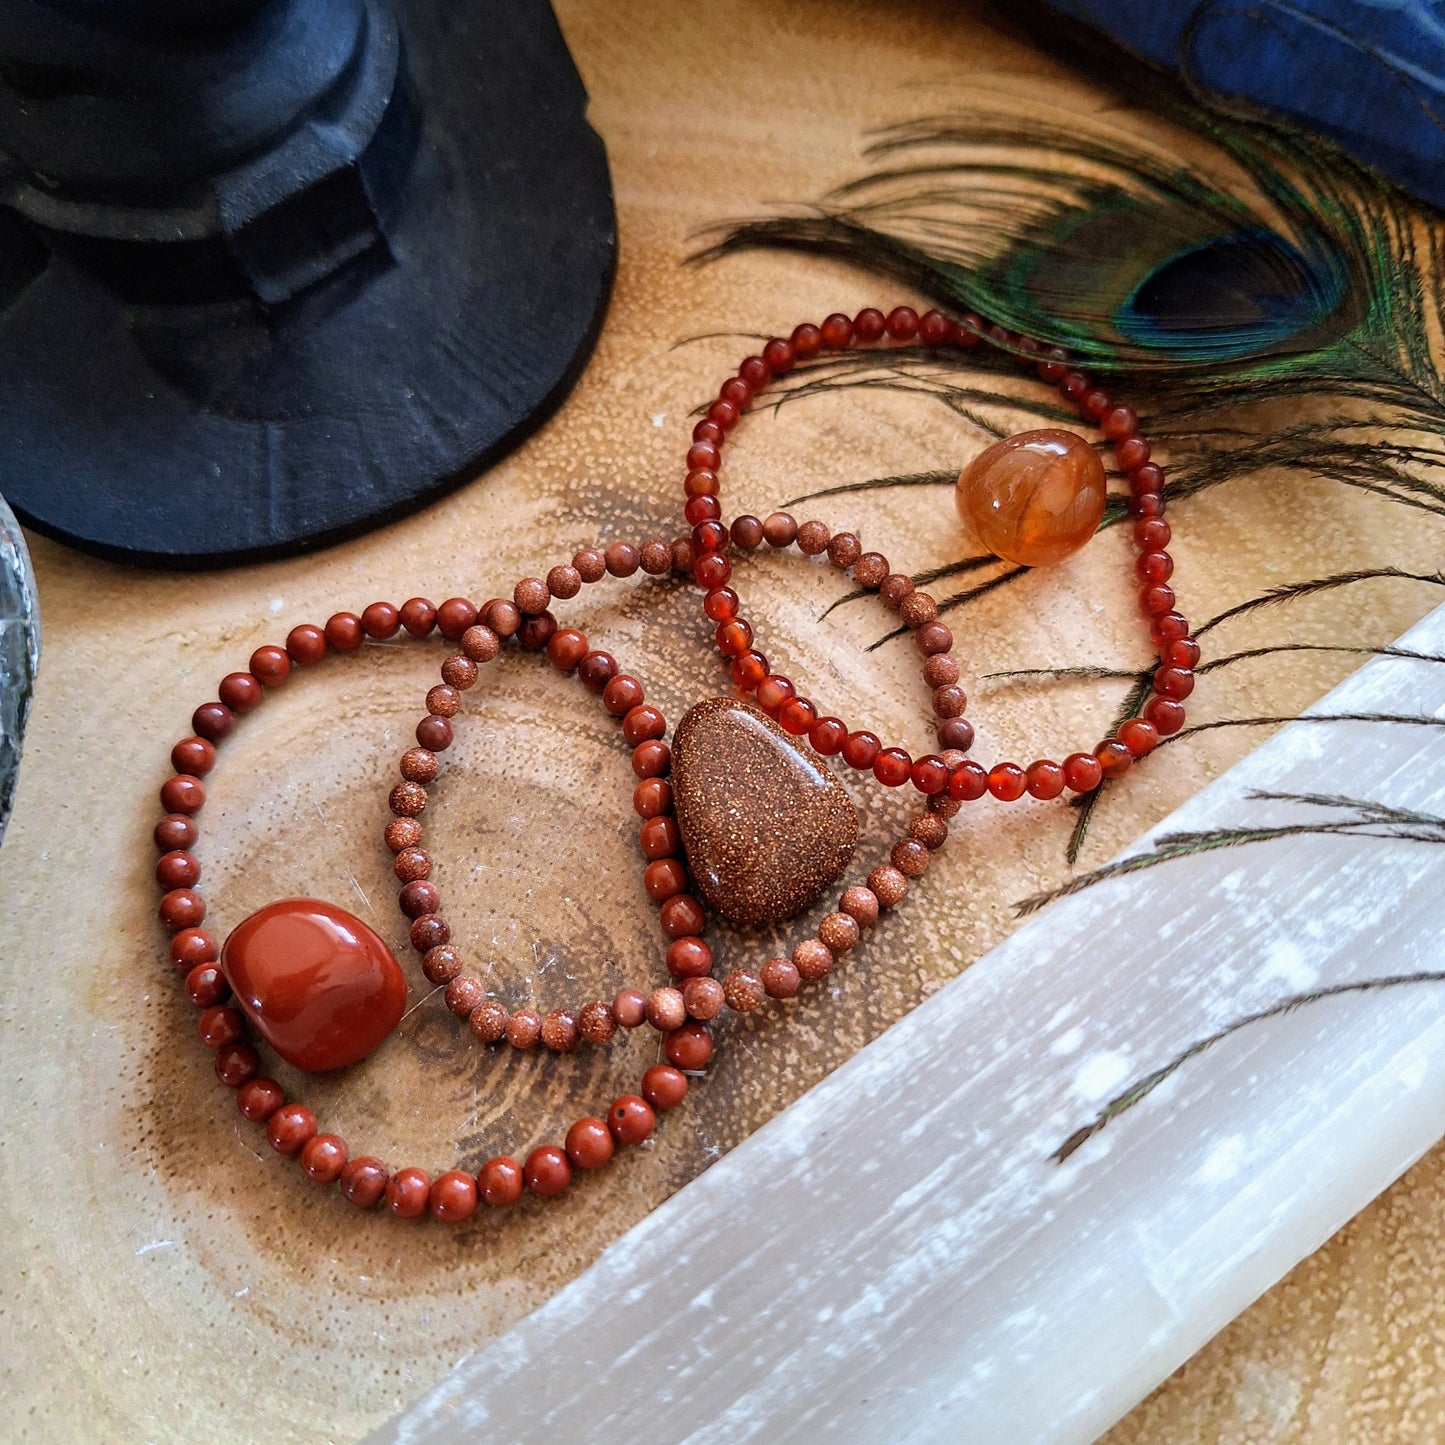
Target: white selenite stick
895 1256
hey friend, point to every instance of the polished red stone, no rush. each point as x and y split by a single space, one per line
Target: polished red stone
321 987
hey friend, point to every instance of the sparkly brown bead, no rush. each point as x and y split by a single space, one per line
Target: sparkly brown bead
463 994
780 978
780 530
683 554
503 617
656 557
459 671
813 538
488 1021
666 1010
441 964
944 805
949 701
434 733
443 701
419 766
813 959
704 998
560 1032
870 570
408 800
524 1028
928 829
917 608
412 864
531 596
909 857
591 565
940 671
844 549
839 932
596 1023
564 582
894 588
429 932
629 1008
480 643
402 833
743 990
622 559
889 885
860 904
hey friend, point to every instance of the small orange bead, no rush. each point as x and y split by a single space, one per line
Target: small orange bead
1033 498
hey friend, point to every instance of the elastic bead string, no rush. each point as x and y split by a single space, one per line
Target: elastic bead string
681 1015
710 542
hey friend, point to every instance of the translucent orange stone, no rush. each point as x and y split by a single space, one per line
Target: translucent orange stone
1033 498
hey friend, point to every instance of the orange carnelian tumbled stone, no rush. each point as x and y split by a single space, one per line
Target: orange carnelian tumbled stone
1033 498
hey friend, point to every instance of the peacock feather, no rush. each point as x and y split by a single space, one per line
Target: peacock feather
1246 266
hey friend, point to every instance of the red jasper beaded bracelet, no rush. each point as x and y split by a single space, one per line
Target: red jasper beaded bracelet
1173 678
681 1014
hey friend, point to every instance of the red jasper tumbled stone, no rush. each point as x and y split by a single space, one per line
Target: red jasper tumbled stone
321 987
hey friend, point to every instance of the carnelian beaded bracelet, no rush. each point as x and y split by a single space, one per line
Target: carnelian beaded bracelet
711 540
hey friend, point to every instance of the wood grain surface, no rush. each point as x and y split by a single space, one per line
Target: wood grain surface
165 1276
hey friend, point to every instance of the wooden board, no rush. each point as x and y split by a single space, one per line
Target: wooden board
902 1252
165 1275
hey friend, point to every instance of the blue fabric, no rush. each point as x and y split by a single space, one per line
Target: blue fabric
1370 74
